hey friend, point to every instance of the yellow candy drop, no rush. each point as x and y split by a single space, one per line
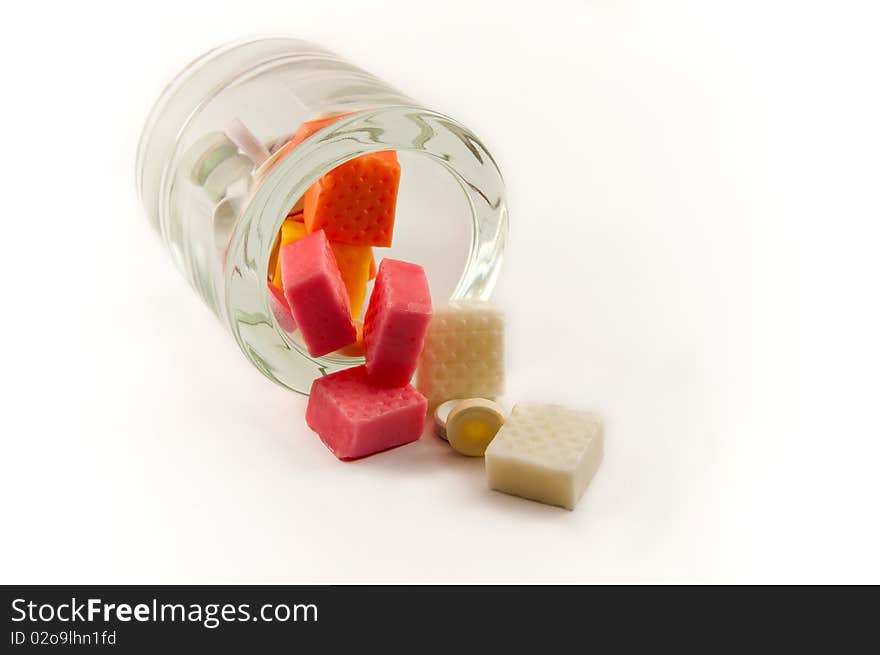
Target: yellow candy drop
472 424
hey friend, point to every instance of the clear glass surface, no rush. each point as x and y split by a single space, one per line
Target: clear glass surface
451 212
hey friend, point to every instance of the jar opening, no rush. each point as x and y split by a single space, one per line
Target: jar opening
450 218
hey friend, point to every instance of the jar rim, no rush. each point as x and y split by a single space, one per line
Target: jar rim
284 179
205 76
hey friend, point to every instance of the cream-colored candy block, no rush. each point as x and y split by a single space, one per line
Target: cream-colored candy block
463 355
546 453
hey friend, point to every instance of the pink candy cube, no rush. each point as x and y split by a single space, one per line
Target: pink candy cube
396 321
316 294
280 308
355 417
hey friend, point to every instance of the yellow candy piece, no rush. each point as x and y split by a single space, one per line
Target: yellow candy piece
472 424
355 349
372 275
290 231
273 259
354 264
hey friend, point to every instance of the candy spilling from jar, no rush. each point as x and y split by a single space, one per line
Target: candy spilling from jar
319 268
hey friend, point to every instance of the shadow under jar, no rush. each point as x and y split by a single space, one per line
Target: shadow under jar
218 212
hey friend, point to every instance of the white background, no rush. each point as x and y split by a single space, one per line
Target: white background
694 254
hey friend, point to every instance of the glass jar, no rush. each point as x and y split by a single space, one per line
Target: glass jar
219 213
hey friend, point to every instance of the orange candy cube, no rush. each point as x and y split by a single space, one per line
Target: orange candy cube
355 202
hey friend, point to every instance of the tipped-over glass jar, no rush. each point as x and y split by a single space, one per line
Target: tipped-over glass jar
218 211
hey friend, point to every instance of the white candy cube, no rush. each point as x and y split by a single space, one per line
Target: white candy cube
546 453
463 355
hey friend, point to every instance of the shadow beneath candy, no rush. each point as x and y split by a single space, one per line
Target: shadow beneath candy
461 478
429 453
523 506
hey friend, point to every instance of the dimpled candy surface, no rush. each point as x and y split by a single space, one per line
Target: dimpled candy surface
463 355
396 321
355 417
546 453
316 294
355 203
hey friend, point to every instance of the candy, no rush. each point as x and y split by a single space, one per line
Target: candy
279 143
235 169
249 144
472 424
308 128
290 231
285 144
296 212
463 355
372 273
441 414
354 264
316 294
356 417
546 453
280 309
205 155
355 349
274 266
396 321
355 202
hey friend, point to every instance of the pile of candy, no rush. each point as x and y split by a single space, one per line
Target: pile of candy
354 207
318 274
